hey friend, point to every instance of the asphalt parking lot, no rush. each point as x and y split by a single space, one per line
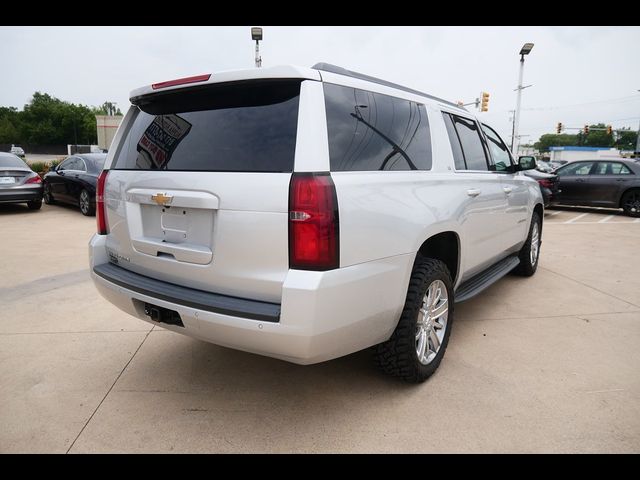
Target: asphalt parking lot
546 364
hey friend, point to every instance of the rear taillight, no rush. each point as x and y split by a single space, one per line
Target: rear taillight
313 222
101 215
546 183
35 178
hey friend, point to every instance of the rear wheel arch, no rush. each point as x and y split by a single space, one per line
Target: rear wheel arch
539 209
630 189
630 200
443 246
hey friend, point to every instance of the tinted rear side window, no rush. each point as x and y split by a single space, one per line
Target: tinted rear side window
370 131
469 134
95 165
245 127
458 156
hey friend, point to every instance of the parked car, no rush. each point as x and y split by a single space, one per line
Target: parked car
556 164
544 167
18 183
74 181
308 213
18 151
548 185
601 183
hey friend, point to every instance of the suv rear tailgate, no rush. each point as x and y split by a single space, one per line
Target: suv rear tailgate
197 194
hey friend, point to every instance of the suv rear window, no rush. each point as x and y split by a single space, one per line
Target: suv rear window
370 131
242 127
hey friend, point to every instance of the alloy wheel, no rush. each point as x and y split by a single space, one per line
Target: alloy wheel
432 322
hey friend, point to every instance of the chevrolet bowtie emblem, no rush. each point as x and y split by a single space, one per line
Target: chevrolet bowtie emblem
162 199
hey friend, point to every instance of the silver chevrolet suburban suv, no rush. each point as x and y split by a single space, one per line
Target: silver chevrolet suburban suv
308 213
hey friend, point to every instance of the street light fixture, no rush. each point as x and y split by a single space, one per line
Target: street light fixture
256 34
525 50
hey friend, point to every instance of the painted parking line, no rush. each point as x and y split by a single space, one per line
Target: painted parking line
606 219
593 223
553 214
575 219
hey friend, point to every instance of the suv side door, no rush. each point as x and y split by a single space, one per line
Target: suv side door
483 210
607 181
515 187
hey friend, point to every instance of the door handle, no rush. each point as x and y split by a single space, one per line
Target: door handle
473 192
507 190
581 180
621 179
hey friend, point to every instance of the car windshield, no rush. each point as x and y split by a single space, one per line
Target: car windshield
11 161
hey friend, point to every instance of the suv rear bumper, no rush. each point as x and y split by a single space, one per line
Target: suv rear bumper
323 315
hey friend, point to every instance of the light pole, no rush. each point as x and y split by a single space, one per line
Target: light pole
256 34
525 50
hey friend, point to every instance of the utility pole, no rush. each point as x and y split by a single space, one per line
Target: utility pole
513 127
525 50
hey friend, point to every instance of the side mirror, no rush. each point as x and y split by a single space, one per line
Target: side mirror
527 163
53 168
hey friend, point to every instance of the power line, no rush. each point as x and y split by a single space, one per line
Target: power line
557 107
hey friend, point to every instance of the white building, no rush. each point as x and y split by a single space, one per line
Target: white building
527 151
107 126
571 154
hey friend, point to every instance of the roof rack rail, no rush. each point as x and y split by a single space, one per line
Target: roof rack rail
327 67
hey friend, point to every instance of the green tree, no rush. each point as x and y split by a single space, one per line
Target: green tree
107 108
48 120
555 140
598 138
626 139
9 117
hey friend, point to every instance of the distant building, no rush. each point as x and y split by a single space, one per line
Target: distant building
107 126
526 150
571 154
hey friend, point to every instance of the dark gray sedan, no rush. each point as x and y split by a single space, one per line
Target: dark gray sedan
601 183
18 183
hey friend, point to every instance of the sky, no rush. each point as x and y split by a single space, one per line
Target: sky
579 75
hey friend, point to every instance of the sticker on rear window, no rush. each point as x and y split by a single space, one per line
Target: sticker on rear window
159 141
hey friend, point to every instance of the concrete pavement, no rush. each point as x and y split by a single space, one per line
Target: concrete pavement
546 364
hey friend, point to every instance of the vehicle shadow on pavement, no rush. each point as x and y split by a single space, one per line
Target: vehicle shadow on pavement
15 208
211 367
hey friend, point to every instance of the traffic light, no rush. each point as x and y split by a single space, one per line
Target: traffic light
559 127
484 107
586 129
609 130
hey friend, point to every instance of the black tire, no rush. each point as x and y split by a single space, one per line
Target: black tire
527 268
84 202
398 356
47 196
35 204
630 203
